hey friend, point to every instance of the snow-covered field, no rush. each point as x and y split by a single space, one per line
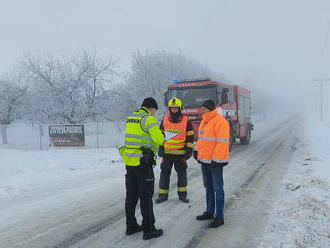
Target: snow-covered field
28 172
299 217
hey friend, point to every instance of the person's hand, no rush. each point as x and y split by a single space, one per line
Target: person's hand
186 157
216 164
161 152
189 153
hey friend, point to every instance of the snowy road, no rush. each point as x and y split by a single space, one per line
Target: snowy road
89 211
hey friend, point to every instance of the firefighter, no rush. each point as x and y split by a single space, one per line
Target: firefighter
142 140
175 151
212 152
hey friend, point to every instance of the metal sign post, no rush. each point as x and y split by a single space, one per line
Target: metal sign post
321 81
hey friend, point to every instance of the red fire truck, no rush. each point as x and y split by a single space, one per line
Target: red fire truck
234 101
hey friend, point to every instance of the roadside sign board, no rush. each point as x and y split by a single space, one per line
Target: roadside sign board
66 135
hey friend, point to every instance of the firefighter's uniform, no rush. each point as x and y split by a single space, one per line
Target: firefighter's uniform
142 140
175 152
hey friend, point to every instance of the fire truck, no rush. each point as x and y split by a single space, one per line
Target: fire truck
233 102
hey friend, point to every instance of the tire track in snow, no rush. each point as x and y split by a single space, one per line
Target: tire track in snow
241 192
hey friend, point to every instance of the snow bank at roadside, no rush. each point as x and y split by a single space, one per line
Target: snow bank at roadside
301 213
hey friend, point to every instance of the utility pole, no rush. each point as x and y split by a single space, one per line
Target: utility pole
321 81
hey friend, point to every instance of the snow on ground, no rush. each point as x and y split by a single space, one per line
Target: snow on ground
27 172
300 216
301 213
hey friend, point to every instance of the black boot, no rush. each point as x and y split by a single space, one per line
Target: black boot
133 229
216 223
161 198
205 216
184 199
153 233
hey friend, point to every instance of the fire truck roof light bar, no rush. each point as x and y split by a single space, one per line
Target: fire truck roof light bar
176 81
190 80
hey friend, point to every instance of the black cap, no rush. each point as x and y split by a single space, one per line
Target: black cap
149 102
209 104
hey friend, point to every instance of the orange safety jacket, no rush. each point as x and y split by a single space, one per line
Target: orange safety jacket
213 138
176 145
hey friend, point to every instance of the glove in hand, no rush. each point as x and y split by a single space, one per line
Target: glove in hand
215 164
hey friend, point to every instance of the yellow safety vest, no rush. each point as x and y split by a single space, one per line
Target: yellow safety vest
138 136
176 145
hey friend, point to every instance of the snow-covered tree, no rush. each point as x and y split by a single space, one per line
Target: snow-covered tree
99 86
153 71
68 90
13 91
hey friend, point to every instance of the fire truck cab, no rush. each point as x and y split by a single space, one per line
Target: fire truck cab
232 101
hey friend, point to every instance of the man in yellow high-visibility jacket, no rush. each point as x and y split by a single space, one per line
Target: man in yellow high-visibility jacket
142 140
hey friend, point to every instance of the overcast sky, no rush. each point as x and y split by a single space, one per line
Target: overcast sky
267 42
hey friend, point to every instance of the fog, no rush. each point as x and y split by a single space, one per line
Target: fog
274 47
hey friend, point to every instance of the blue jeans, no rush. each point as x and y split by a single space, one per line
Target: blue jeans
215 195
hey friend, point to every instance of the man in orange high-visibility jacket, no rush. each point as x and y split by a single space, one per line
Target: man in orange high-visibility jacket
175 151
212 152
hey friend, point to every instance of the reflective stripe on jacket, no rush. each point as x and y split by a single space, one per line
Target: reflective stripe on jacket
176 145
213 138
142 131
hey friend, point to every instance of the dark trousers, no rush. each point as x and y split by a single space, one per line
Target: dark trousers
165 174
140 185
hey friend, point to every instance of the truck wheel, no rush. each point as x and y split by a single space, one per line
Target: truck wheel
246 140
